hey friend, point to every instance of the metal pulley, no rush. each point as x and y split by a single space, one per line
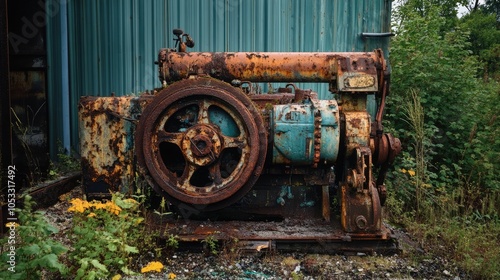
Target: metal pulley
201 142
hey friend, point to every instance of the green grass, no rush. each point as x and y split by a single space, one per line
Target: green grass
472 243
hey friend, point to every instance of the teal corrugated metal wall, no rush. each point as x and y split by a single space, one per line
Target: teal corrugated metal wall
113 43
54 86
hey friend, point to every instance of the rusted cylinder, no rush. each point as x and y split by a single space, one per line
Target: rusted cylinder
261 66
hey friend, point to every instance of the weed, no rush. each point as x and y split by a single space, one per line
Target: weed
34 250
231 249
162 209
172 241
22 131
66 162
296 275
210 243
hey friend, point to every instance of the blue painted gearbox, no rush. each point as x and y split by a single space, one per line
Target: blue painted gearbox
296 128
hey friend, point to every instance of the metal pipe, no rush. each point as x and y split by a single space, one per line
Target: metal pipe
263 67
382 34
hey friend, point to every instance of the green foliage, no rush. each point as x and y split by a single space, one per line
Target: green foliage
485 41
35 250
481 151
172 241
493 6
66 163
103 235
447 120
447 10
211 244
460 130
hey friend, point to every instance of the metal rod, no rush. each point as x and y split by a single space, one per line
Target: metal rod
383 34
260 67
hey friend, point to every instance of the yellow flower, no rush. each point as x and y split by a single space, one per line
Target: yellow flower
98 205
411 173
116 277
403 170
113 208
91 215
153 266
78 205
171 276
11 224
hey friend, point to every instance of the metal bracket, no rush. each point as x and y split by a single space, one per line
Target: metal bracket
360 202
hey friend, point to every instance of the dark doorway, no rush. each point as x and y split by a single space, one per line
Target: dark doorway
28 91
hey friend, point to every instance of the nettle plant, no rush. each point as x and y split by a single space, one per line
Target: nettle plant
103 236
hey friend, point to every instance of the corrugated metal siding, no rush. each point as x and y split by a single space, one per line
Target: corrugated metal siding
113 43
280 25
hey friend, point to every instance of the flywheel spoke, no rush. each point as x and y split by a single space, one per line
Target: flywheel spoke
189 171
203 111
170 137
214 171
235 142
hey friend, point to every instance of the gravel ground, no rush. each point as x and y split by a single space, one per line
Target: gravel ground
412 263
306 266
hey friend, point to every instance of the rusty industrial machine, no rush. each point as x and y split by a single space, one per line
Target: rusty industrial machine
275 169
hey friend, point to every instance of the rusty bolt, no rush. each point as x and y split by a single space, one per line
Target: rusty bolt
361 222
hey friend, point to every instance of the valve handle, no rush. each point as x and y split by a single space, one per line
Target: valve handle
178 32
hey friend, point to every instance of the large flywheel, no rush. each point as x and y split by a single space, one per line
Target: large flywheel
201 142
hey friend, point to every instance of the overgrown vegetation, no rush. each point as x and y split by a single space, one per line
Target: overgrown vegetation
103 236
35 252
444 106
66 163
108 239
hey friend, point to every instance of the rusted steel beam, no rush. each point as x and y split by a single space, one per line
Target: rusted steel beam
306 235
47 194
355 70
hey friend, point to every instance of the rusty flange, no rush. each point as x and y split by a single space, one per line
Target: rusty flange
201 142
387 147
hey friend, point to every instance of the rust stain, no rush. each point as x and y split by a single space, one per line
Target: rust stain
106 141
359 81
357 130
269 67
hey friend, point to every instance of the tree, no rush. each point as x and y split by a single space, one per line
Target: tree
448 9
484 27
493 6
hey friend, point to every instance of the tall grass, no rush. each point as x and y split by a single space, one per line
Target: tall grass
460 223
414 113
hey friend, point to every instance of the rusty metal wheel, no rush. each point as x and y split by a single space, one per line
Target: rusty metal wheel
201 142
